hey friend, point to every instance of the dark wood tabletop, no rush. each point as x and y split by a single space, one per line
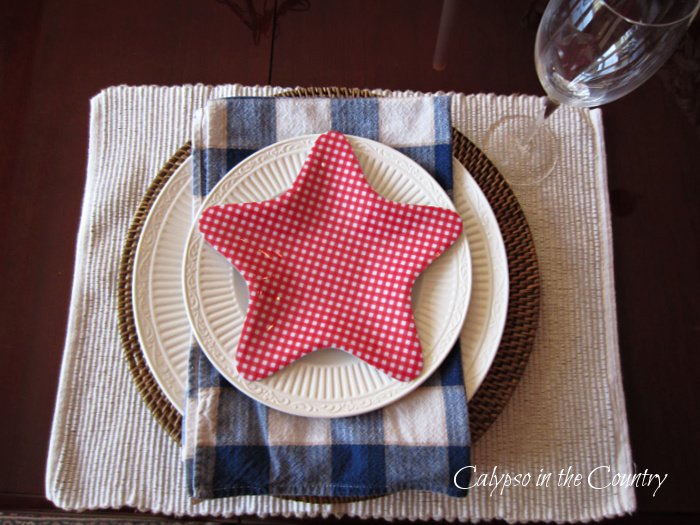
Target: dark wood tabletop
56 55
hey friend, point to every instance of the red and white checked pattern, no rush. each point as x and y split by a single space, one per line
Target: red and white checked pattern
330 264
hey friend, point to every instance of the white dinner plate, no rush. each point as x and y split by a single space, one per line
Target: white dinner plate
158 301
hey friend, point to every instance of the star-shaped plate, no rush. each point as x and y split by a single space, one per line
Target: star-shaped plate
329 264
329 382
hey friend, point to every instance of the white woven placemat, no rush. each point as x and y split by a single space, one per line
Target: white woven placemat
567 412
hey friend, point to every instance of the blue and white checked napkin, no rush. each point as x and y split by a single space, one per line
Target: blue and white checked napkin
237 446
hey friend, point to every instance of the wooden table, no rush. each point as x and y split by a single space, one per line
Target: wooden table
57 54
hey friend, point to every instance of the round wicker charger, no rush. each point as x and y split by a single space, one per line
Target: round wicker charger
523 301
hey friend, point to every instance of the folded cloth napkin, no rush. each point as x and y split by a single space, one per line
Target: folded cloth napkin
235 445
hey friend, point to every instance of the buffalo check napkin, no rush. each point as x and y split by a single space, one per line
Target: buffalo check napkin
237 446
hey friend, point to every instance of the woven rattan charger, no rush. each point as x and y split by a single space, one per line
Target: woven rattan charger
523 300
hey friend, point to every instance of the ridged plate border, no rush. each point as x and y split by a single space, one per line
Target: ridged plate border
160 316
488 303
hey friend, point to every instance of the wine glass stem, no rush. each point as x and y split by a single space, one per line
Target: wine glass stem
550 106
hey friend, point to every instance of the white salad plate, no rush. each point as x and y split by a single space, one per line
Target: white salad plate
165 332
328 382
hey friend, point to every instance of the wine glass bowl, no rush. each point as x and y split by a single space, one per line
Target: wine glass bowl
591 52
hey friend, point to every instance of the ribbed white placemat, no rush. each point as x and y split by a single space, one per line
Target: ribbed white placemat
568 410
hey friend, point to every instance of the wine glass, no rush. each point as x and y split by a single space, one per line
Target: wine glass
587 53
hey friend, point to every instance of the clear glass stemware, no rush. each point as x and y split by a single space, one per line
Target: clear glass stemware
587 53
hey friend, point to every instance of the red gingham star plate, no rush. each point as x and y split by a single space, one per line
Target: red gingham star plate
327 383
